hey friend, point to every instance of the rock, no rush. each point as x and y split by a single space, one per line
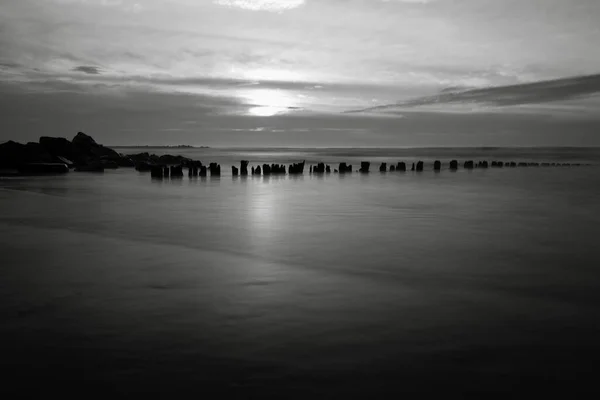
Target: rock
257 171
328 169
166 170
419 166
401 167
364 167
91 167
203 171
235 171
437 165
469 164
392 168
413 167
383 167
107 164
454 165
482 164
318 169
43 168
335 171
522 164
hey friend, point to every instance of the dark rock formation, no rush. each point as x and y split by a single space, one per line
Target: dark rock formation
512 164
234 171
156 171
420 166
203 170
43 168
328 169
454 165
401 167
90 167
166 171
383 167
437 165
364 167
469 165
413 167
257 171
522 164
392 168
483 164
335 171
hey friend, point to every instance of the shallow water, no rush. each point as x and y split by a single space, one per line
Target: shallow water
483 280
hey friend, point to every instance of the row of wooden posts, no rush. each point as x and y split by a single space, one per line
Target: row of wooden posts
195 168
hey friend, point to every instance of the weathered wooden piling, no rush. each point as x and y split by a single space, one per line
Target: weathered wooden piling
244 167
176 171
469 164
165 172
344 168
401 167
512 164
296 168
482 164
383 167
266 169
454 165
234 171
328 169
392 168
419 166
364 167
257 171
413 167
215 169
203 170
522 164
437 165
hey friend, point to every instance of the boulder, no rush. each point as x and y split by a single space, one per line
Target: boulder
43 168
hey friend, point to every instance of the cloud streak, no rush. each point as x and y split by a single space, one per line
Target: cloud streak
511 95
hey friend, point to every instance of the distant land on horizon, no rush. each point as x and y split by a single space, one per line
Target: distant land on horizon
181 146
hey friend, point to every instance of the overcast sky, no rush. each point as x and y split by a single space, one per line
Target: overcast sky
302 72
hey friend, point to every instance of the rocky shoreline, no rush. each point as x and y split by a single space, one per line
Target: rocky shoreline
56 155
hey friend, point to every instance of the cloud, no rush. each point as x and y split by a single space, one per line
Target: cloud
87 69
512 95
262 5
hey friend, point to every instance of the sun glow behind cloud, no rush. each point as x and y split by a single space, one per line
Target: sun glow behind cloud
262 5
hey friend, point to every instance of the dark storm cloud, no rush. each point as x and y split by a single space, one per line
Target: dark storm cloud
512 95
87 69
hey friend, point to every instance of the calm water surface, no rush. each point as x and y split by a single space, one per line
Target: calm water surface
484 280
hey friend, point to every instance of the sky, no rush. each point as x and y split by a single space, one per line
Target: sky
308 73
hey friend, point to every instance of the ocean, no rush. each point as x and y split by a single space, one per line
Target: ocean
324 286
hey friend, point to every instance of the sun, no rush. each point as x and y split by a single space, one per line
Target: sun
266 111
267 102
